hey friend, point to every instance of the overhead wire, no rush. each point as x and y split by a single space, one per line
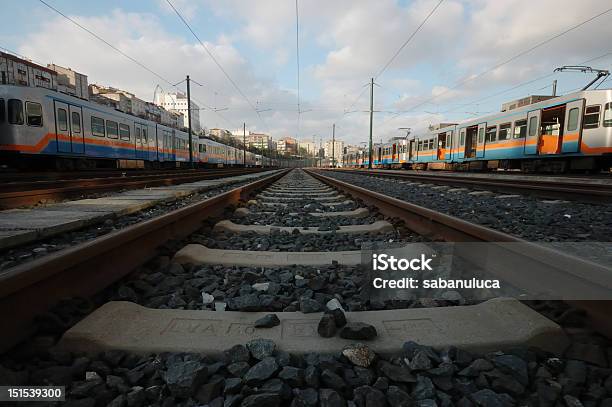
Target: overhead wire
384 68
399 50
124 54
507 61
217 63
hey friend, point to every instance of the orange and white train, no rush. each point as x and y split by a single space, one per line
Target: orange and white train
39 125
569 132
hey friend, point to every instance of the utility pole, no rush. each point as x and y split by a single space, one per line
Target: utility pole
189 121
244 144
263 162
321 148
371 121
333 146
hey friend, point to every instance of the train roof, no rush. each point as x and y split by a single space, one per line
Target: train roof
514 112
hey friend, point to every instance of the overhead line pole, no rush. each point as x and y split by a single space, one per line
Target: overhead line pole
334 145
371 121
244 144
189 121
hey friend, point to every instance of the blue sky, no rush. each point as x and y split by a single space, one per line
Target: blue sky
342 44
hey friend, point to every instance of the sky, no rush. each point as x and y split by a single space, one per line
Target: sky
468 58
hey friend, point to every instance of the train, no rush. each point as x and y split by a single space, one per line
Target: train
43 127
569 132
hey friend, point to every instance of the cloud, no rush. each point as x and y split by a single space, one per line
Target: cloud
343 44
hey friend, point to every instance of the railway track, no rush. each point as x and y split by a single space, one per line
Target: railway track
32 176
28 192
292 250
570 188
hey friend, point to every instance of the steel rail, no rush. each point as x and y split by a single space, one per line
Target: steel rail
29 289
572 190
29 193
13 178
507 257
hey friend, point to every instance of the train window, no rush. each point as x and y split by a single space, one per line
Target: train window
491 134
2 110
533 126
138 134
481 132
76 122
15 111
420 146
34 114
607 116
520 128
591 117
145 139
62 119
112 129
462 137
97 126
124 132
572 119
504 131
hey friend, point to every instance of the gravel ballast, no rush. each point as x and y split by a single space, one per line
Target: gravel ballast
259 374
531 218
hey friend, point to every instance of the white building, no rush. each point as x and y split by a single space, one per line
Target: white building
335 148
309 147
177 102
128 103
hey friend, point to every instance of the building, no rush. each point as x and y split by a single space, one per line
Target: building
70 82
287 146
254 140
336 149
221 134
241 135
22 72
308 148
128 103
177 102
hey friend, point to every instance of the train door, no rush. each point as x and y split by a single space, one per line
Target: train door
552 130
62 129
449 144
441 148
480 146
412 150
394 158
471 142
173 143
533 132
138 140
573 127
77 139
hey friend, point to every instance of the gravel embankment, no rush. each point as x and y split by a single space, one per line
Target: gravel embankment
273 289
260 374
529 217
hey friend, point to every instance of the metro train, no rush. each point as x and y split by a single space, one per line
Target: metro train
569 132
39 125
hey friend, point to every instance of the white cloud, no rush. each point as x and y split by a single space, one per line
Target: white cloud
347 42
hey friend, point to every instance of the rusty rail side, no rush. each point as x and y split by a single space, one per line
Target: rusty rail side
30 193
81 271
